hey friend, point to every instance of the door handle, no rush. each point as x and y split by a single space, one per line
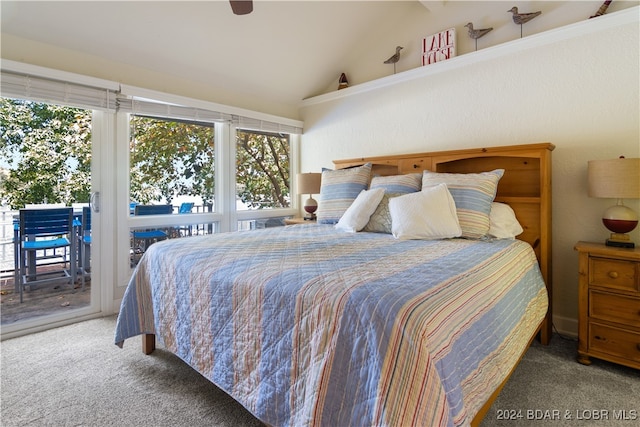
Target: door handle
94 202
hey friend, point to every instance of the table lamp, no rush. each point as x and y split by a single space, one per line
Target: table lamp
309 183
616 179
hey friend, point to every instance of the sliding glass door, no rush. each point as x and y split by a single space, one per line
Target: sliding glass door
47 153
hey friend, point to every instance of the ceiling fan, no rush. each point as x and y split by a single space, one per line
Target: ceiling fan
241 7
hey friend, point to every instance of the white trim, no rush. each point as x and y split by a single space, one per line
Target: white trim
64 76
43 323
589 26
121 199
142 93
566 326
249 215
102 238
226 182
147 94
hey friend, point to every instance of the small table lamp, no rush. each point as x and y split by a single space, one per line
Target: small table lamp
616 179
309 183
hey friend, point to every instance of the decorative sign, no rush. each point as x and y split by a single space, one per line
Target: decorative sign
439 47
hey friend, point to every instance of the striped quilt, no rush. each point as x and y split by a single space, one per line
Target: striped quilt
305 325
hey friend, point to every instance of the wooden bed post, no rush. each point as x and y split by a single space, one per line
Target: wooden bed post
148 343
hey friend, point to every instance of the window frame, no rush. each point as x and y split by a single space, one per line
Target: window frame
110 177
226 215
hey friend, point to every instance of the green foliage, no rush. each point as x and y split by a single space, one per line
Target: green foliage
169 158
47 149
262 169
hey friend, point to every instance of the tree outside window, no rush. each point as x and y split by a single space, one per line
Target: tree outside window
45 156
45 153
263 169
169 159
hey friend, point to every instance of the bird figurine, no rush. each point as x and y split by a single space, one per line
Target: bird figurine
343 82
601 11
394 58
522 18
476 34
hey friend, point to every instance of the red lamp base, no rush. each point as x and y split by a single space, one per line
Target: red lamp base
620 220
619 225
310 207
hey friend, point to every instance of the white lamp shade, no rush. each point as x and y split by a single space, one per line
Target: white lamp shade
309 183
614 179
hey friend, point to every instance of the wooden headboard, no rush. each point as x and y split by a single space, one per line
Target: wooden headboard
525 186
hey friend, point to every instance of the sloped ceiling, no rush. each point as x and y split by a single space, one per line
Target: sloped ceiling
283 51
269 60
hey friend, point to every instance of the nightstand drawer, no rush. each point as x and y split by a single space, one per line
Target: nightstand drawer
614 308
614 341
613 273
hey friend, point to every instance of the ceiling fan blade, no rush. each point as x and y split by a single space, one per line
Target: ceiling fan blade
241 7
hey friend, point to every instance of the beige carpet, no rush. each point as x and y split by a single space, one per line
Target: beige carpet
76 376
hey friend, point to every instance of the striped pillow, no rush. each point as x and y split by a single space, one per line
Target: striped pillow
473 194
401 184
338 189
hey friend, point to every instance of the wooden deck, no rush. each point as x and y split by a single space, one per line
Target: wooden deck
42 301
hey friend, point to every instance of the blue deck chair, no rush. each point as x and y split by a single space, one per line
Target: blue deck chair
84 244
185 208
132 208
42 230
150 236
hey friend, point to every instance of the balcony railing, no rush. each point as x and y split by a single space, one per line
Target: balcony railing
6 241
6 234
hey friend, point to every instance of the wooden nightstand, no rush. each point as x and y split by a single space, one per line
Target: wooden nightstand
291 221
609 304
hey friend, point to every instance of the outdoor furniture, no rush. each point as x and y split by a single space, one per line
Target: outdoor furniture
185 208
149 236
132 208
39 235
84 241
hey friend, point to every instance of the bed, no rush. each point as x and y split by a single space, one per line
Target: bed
312 325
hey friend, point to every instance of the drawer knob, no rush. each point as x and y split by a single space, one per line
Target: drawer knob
638 347
613 274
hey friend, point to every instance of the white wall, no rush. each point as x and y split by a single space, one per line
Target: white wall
581 94
366 61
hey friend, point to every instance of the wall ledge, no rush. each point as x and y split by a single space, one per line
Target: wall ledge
588 26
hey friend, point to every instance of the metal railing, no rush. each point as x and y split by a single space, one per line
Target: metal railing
7 232
6 241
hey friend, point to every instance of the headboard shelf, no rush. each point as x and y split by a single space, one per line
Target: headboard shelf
525 186
518 199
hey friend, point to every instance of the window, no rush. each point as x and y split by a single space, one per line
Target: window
263 170
46 153
45 159
236 170
172 162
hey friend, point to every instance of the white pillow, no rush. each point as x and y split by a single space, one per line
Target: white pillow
504 224
429 214
358 214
